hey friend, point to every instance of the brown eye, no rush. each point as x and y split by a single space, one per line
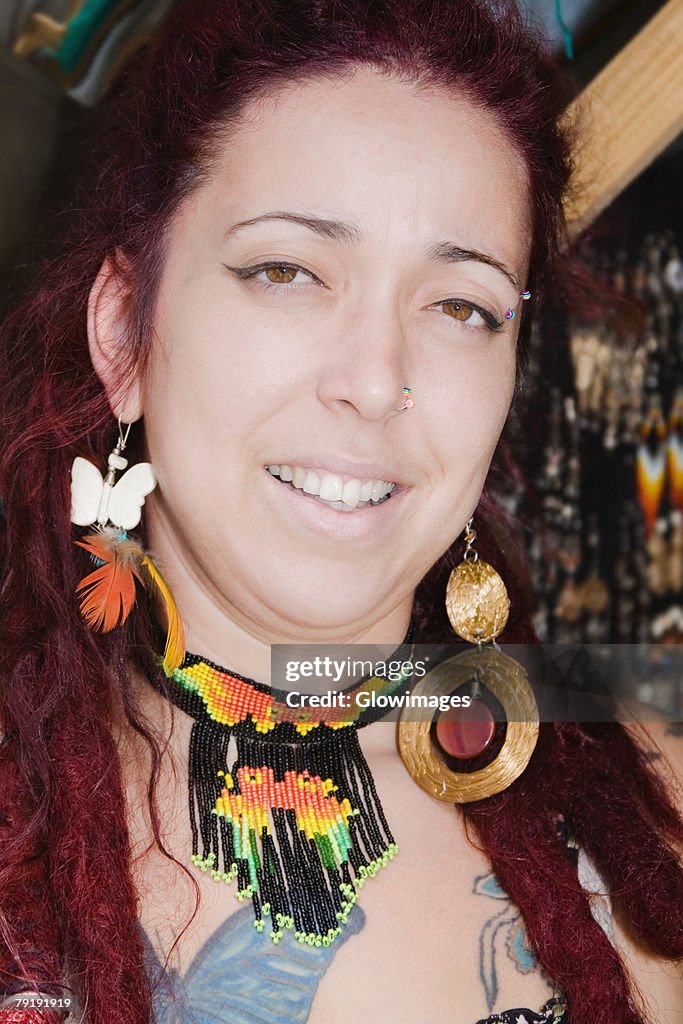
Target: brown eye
475 317
458 310
280 273
278 276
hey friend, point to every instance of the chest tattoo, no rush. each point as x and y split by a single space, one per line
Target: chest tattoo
240 976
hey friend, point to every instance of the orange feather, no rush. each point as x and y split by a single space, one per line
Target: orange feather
108 593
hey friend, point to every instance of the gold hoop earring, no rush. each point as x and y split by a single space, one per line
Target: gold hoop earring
477 604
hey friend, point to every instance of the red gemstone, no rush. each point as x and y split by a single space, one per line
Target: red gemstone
465 732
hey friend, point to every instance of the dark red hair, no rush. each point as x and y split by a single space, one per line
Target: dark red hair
66 891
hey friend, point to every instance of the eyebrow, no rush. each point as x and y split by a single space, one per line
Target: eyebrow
338 231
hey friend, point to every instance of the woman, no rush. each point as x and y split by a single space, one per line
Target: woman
303 267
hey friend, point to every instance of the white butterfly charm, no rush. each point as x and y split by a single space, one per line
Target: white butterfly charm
101 501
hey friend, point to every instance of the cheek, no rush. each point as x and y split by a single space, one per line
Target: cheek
221 351
195 380
473 401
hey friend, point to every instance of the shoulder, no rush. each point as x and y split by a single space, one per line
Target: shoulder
659 982
662 740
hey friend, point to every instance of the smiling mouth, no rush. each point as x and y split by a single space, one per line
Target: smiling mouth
331 490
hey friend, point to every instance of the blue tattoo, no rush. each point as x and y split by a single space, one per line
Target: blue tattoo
509 922
240 976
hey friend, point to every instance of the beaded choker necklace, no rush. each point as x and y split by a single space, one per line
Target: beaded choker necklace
295 820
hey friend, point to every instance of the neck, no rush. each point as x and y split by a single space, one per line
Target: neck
245 648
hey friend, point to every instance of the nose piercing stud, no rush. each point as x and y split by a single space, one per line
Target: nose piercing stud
408 402
510 313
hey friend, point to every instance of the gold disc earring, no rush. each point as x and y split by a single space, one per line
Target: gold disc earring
434 747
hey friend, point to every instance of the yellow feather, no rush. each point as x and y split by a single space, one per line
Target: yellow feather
175 635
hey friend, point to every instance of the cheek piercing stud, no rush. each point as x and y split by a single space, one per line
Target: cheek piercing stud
408 402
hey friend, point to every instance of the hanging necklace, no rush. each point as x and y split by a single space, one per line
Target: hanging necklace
295 821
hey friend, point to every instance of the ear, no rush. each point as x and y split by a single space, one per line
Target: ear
108 339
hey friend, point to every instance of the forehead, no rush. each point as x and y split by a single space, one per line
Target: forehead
396 159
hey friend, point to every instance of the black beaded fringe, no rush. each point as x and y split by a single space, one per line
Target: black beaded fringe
295 821
302 881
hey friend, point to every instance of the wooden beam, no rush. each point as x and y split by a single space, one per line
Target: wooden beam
627 115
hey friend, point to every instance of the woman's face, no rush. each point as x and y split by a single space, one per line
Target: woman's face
354 237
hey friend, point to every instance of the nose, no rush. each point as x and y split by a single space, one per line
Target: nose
366 365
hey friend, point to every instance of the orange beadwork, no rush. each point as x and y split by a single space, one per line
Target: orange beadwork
309 796
229 700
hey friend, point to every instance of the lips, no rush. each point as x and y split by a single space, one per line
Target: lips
340 492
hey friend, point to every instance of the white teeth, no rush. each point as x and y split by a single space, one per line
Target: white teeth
330 487
351 493
312 483
377 490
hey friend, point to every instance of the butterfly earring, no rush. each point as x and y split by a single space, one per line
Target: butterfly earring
107 594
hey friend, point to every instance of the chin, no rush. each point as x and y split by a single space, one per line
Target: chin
327 606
